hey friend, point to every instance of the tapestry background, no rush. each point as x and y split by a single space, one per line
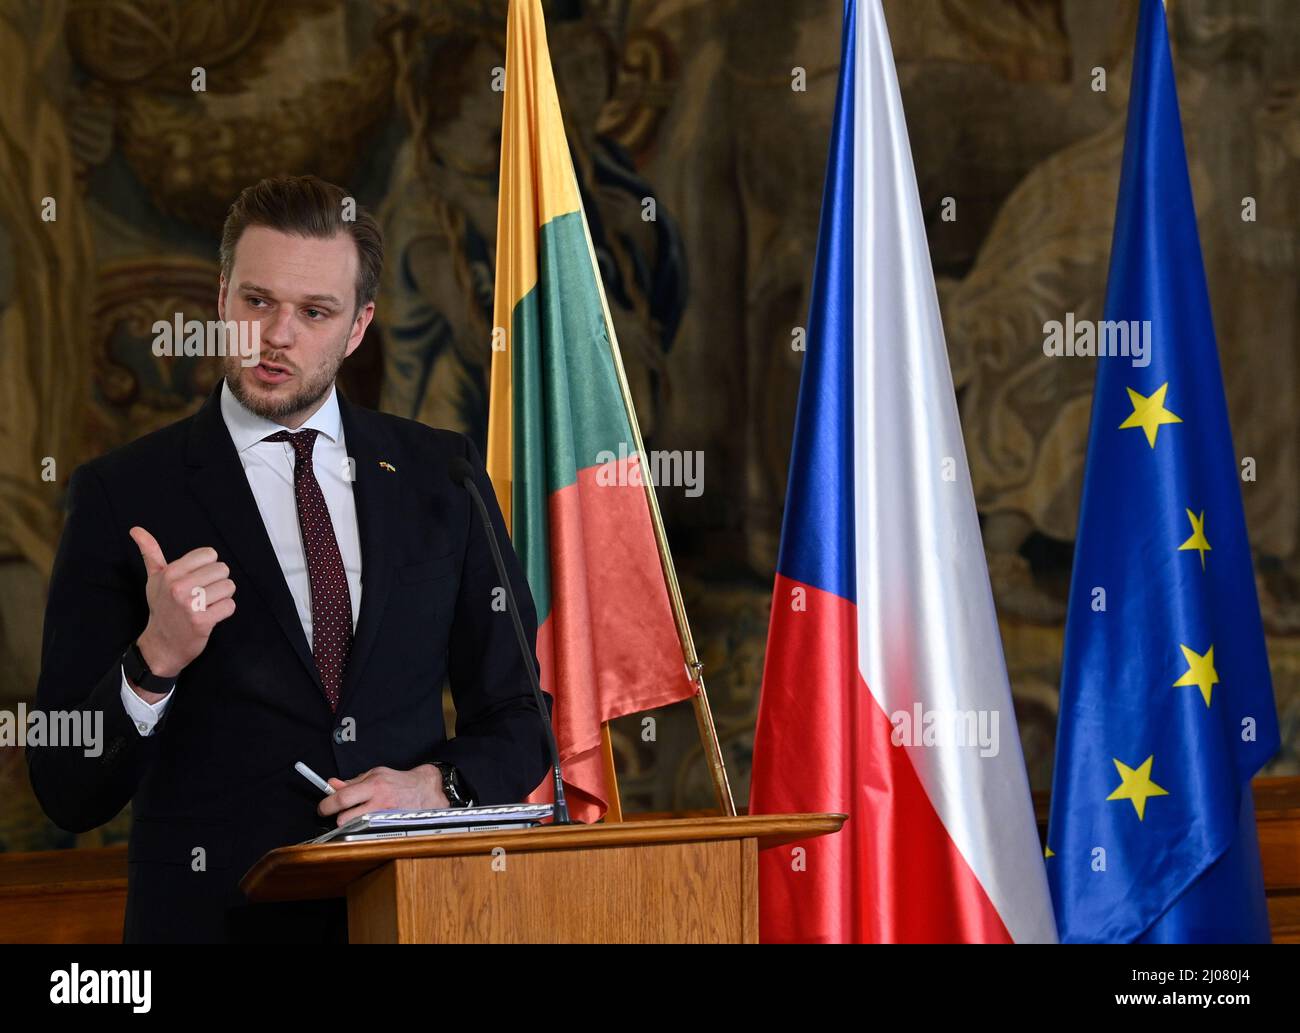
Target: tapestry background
689 103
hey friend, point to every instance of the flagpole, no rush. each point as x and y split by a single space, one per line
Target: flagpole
614 805
695 669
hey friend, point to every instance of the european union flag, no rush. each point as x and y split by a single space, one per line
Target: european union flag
1166 701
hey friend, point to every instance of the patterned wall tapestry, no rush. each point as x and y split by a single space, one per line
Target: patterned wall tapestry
689 104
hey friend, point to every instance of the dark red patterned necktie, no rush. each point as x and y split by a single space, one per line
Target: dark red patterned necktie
331 602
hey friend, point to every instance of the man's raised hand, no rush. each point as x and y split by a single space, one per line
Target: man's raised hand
187 599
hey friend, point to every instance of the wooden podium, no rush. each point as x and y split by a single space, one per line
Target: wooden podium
687 880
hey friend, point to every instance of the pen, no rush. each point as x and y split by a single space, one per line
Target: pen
314 778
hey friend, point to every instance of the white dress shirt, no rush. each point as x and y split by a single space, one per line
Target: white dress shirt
268 465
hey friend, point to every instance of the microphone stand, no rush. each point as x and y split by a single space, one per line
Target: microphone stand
462 473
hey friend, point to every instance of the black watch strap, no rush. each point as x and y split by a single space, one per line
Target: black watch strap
454 786
138 673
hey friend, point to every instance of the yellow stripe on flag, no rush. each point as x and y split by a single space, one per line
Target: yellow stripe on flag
537 184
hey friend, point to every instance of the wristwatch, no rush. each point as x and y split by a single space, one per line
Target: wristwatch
138 673
453 786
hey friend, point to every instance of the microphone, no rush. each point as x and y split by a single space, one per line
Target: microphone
462 474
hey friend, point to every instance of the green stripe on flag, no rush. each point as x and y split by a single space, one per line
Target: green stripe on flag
568 408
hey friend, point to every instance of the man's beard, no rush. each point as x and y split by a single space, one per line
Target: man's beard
277 406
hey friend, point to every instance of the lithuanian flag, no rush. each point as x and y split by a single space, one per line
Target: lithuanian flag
563 451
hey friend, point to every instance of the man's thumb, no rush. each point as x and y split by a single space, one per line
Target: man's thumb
150 551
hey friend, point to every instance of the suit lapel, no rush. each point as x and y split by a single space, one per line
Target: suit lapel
375 490
217 479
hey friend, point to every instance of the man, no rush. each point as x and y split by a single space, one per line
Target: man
282 577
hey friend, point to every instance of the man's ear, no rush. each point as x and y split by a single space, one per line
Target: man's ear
359 325
221 299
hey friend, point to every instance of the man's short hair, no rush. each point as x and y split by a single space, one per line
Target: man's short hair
306 206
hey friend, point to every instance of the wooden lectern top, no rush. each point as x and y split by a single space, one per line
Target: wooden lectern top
318 870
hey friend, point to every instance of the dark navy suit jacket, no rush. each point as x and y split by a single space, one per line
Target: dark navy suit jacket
218 772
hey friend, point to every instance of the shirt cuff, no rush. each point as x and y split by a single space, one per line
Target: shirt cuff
145 715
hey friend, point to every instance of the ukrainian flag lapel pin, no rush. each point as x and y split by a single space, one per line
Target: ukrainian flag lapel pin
385 465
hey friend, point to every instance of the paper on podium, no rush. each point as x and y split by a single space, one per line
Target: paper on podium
438 821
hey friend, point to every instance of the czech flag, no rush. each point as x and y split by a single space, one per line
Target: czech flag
563 450
885 692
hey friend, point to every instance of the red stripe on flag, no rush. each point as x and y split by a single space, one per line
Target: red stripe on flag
893 874
610 645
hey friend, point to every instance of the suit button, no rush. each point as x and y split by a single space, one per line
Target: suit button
338 736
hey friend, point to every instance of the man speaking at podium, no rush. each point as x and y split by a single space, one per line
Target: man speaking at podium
281 577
